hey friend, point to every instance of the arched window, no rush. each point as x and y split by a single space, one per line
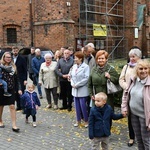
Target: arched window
11 34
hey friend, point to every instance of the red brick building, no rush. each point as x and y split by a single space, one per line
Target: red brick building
55 23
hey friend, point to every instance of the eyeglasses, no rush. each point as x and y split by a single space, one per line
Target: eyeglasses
7 57
143 68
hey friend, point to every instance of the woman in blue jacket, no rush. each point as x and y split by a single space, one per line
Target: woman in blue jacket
79 76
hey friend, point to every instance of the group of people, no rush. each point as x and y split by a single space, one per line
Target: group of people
82 78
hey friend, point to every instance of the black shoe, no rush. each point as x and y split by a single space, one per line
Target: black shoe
7 94
16 130
130 144
62 108
69 109
40 96
2 126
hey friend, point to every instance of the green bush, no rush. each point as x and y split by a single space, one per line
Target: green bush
118 65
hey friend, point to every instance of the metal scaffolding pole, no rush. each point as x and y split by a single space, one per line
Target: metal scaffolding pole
103 13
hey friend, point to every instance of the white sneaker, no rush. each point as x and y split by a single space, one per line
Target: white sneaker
48 106
86 125
76 125
55 107
34 124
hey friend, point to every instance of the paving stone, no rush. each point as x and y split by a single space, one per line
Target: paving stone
54 131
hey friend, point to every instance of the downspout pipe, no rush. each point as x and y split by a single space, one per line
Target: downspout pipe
31 24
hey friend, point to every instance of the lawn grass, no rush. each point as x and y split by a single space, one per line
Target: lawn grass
118 64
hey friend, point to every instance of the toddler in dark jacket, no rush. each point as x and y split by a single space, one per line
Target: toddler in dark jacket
30 103
100 121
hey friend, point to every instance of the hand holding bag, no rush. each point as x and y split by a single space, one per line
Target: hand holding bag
112 88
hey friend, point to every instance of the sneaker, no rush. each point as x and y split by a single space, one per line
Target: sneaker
48 106
76 125
34 124
7 94
86 125
55 107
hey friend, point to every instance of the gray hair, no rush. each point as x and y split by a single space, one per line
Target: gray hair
47 55
135 51
37 50
91 45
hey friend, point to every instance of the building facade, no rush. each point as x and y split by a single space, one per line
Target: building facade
56 23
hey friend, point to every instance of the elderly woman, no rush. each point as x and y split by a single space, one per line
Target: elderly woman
49 79
127 72
79 75
99 75
136 102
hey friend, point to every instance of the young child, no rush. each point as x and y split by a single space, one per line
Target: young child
2 82
30 103
100 120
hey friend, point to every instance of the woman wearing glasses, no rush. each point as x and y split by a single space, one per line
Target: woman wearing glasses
12 82
136 103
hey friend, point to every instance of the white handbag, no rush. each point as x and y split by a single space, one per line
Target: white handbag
112 88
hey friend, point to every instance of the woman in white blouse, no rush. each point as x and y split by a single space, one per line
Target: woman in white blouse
49 79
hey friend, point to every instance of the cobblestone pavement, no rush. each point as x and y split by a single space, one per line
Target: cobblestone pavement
55 131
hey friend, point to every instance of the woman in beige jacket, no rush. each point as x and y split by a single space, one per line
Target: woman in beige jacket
49 79
127 72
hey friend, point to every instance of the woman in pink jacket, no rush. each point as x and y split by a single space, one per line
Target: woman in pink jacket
136 102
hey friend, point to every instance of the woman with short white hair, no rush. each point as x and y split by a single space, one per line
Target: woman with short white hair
127 72
49 79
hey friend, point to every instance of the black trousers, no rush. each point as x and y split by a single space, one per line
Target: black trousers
32 77
54 94
65 88
17 96
131 131
33 117
88 104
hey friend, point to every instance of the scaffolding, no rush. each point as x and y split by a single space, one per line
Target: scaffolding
102 22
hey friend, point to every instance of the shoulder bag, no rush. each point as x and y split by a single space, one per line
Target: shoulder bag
111 87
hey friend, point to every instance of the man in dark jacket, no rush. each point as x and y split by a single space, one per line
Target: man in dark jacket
63 67
100 121
36 64
29 65
21 65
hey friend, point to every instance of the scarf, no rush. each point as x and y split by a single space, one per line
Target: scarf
48 63
132 64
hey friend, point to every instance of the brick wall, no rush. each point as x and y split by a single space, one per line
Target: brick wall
55 24
14 13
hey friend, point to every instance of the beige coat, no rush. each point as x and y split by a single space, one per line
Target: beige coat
125 76
47 75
